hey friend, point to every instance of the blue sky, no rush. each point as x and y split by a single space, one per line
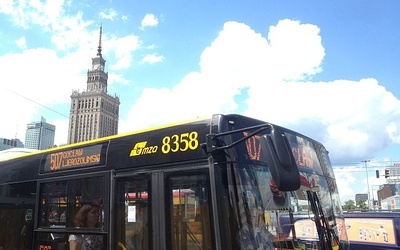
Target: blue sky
329 69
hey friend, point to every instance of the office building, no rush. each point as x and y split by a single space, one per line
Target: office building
10 143
361 198
93 113
40 135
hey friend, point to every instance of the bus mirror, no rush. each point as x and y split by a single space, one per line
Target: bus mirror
281 162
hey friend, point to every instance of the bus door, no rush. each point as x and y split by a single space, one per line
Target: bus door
133 205
164 210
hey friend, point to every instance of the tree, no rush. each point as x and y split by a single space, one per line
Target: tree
349 205
362 204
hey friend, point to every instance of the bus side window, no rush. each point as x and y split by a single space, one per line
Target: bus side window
188 202
61 200
53 204
17 203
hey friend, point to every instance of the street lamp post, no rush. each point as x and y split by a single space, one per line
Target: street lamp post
366 171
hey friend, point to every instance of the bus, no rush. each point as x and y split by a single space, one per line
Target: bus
219 182
373 229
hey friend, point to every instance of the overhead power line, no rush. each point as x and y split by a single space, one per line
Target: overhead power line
44 106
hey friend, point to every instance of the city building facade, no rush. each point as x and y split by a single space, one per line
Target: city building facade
361 198
391 203
385 191
93 113
10 143
392 173
40 135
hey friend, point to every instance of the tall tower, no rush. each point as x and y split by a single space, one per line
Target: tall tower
94 113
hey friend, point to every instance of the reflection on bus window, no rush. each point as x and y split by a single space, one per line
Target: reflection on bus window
16 222
189 204
60 201
134 210
258 193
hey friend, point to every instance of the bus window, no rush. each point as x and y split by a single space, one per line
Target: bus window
189 215
59 216
60 201
17 202
133 210
53 203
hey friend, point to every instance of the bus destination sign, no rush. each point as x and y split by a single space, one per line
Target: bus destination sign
74 158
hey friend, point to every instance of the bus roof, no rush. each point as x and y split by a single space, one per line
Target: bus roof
176 142
14 152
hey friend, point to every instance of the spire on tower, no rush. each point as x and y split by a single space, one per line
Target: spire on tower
99 48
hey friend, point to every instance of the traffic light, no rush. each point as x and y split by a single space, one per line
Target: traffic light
377 173
386 173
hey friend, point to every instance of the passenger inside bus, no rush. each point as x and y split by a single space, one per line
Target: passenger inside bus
53 217
88 216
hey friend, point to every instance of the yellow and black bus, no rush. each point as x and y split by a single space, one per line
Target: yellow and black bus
221 182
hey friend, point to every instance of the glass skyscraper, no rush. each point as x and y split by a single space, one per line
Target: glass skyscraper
40 135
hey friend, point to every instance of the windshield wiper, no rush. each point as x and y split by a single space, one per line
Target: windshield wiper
326 235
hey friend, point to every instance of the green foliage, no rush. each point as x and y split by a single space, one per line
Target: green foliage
362 205
349 205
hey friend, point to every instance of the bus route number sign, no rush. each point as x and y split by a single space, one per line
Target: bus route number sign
74 158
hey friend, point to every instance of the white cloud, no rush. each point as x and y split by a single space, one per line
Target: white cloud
266 77
117 78
122 47
61 131
271 75
110 15
72 33
152 58
149 20
239 58
21 83
150 47
25 13
352 118
345 181
21 43
296 49
6 6
60 70
43 64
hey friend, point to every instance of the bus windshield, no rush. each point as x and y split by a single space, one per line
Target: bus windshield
267 216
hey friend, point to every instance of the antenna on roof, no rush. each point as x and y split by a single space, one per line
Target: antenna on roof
99 48
16 131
